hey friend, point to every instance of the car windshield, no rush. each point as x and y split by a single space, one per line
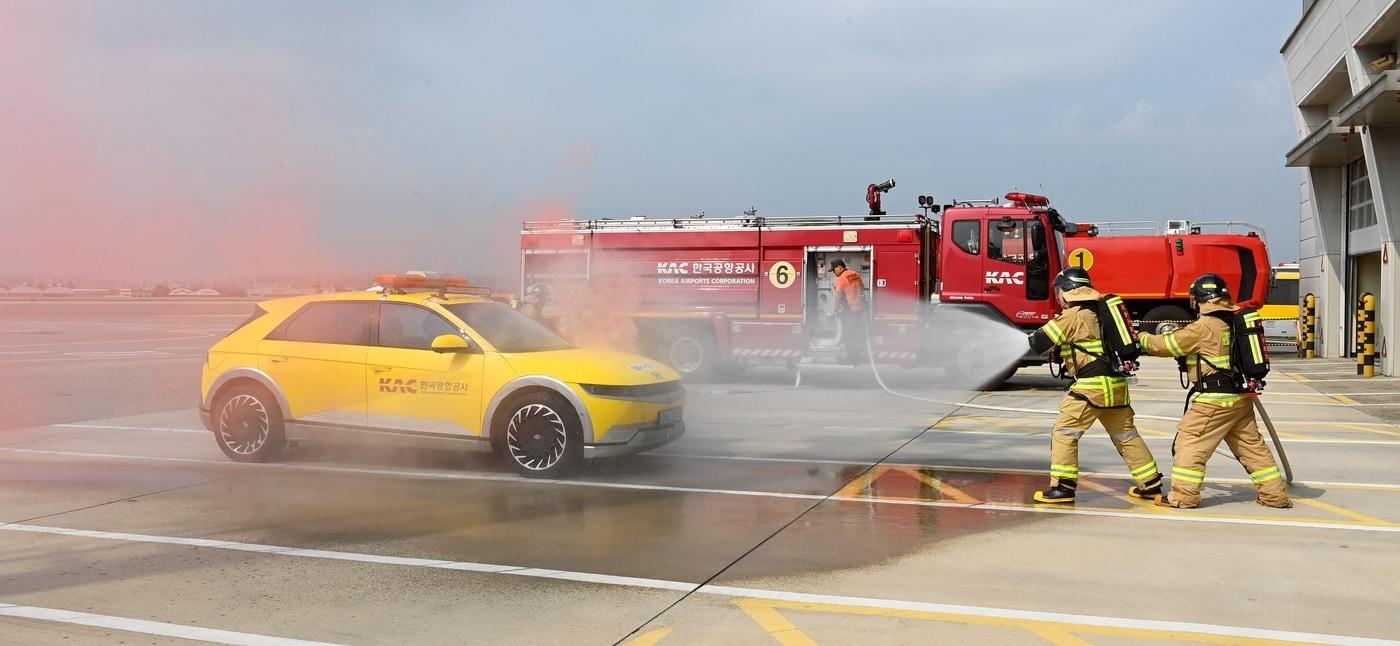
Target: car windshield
507 329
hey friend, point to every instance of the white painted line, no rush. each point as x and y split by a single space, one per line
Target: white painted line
118 354
716 590
1041 434
132 428
628 486
1329 372
150 627
108 341
26 352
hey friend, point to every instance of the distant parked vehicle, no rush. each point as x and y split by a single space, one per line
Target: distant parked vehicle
206 292
181 291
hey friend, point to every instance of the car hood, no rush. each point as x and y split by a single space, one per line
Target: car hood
590 366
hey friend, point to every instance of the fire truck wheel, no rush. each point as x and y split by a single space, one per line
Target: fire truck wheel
248 424
690 354
541 436
1164 318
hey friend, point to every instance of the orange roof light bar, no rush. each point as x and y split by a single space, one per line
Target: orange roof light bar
1028 199
411 281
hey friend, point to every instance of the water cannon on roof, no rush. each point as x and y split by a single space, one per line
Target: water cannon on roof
873 193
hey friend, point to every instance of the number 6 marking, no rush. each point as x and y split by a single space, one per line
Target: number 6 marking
781 274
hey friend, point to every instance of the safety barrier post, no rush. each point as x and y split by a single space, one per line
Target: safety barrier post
1310 326
1367 354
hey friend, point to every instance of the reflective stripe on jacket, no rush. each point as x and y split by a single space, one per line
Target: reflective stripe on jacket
1204 343
1074 336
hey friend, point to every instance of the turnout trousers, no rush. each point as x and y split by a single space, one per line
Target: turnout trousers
1198 435
1076 416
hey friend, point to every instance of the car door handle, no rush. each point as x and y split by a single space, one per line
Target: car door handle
277 359
379 368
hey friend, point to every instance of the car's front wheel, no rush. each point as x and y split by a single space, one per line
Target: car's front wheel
542 437
248 424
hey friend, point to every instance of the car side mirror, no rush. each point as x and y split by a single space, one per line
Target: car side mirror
451 344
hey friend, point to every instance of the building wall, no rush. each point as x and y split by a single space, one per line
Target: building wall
1326 60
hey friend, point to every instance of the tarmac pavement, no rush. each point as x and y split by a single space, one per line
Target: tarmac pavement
830 513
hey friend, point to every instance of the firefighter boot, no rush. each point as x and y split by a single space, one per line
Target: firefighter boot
1164 501
1062 492
1149 490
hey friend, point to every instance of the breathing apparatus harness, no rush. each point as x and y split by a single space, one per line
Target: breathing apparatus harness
1248 354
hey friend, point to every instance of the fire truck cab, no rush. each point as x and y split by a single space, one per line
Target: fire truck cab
707 294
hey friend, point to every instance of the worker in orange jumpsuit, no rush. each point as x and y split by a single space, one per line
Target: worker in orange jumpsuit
1217 407
850 309
1099 393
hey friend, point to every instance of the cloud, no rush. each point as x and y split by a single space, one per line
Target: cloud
156 138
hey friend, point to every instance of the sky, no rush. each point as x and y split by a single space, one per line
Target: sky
147 140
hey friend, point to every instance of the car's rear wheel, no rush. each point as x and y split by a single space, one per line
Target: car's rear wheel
542 436
248 424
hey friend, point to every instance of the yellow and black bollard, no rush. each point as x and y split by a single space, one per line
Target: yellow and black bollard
1366 347
1310 326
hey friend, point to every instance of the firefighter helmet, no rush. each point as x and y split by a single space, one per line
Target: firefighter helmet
1209 287
1072 278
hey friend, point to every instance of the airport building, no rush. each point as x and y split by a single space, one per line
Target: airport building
1345 85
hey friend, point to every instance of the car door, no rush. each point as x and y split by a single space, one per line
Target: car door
317 358
1015 269
411 387
961 268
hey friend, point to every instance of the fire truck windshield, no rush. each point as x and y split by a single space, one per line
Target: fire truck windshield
507 329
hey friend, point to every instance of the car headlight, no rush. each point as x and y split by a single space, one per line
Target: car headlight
632 392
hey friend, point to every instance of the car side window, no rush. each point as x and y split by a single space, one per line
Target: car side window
966 233
407 326
342 323
1007 245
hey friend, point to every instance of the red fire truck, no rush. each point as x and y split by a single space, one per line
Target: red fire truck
708 293
1153 271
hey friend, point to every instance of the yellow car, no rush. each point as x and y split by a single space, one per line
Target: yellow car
406 365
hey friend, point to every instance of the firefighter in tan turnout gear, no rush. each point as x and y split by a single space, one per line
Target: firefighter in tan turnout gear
1099 393
1217 406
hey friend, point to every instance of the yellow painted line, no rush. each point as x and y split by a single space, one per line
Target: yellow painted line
856 488
1057 635
651 637
1000 422
1344 399
778 627
1047 629
1296 376
1138 502
1150 432
948 491
1358 427
1344 512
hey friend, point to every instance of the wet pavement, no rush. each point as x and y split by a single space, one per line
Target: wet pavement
831 513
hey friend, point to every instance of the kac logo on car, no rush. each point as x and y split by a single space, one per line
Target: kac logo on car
1005 278
387 385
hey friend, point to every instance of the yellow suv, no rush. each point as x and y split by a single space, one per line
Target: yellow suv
408 365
